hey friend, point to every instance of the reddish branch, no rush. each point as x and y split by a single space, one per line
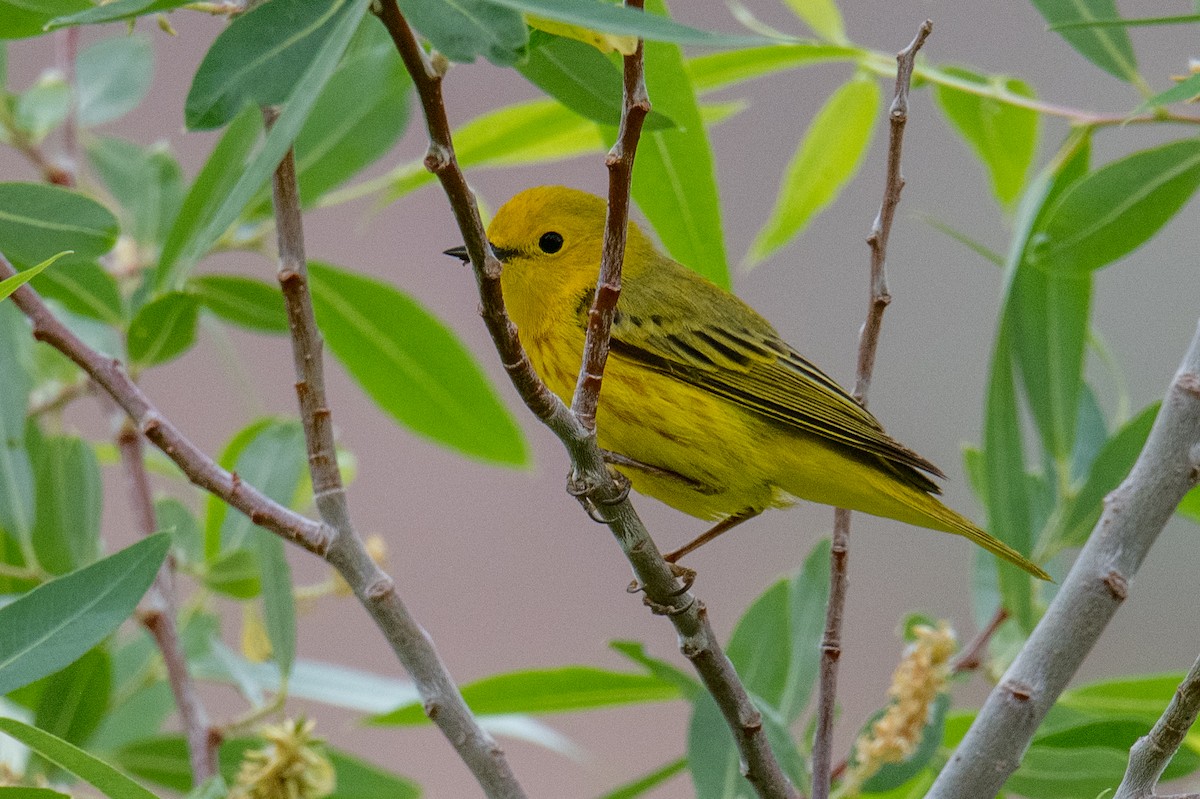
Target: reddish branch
590 478
831 643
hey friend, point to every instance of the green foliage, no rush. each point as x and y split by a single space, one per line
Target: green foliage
99 774
39 221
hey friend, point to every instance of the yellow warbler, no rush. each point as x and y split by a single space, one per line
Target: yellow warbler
706 407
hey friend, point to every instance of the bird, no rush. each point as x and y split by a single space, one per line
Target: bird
703 406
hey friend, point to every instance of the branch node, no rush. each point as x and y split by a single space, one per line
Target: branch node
1189 383
380 589
151 423
287 276
438 158
1017 690
1117 585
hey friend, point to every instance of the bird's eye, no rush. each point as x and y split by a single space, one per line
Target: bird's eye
551 242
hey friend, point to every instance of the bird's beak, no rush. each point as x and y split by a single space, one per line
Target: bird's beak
459 252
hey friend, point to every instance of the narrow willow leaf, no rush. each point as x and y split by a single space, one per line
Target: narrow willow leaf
582 79
114 75
413 366
245 302
713 759
675 183
38 221
291 119
1117 208
1107 47
21 18
216 511
1184 91
1078 515
86 288
604 42
829 156
16 469
11 284
689 687
822 16
208 191
58 621
260 58
618 19
235 573
644 784
163 329
1002 135
560 690
718 70
75 700
66 530
115 12
17 792
146 181
464 29
176 519
89 768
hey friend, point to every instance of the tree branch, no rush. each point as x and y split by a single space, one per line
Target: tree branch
442 701
590 478
868 344
158 614
1150 755
1134 514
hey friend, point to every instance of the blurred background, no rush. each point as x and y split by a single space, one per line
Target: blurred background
501 566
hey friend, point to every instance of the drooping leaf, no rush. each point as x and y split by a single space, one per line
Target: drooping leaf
1003 136
66 530
412 365
163 329
1117 208
464 29
89 768
58 621
245 302
828 157
38 221
1107 47
718 70
114 75
560 690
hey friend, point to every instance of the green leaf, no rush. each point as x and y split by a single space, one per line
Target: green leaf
16 468
892 775
163 329
1107 47
642 785
1080 773
235 573
713 759
59 620
99 774
1142 697
346 16
11 284
245 302
21 18
114 76
688 686
175 518
66 530
718 70
829 156
221 172
38 221
413 366
1189 506
260 58
675 184
75 700
464 29
146 182
1079 513
776 644
560 690
115 12
1114 210
17 792
1001 134
581 78
84 288
43 107
608 18
1182 92
134 715
822 16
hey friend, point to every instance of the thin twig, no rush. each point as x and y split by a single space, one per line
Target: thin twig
66 51
1098 583
590 477
971 656
831 643
441 699
1148 758
158 614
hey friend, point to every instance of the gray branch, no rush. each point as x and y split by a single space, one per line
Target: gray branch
1134 514
1153 751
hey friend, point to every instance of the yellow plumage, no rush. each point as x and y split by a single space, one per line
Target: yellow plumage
699 386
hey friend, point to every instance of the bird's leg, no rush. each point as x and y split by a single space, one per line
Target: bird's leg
722 526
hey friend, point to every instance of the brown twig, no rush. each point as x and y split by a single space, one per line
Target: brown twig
590 478
158 614
1153 751
831 643
442 701
971 656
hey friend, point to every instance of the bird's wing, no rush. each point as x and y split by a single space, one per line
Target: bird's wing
728 349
